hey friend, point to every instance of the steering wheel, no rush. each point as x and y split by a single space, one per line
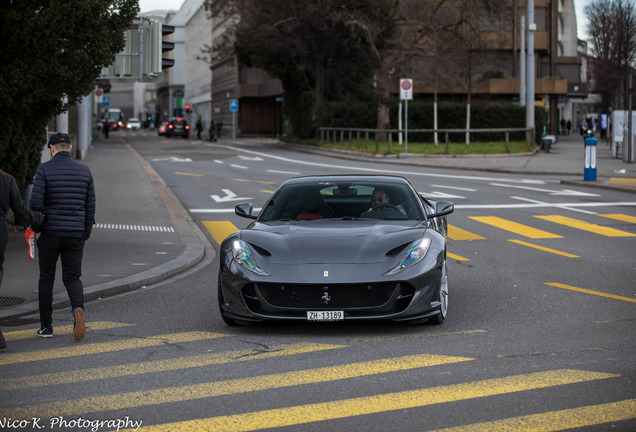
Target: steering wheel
390 206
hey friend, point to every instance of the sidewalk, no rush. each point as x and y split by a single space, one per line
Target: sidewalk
144 235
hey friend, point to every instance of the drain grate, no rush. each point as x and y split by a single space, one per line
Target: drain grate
10 301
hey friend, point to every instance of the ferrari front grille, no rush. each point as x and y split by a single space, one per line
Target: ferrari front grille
316 296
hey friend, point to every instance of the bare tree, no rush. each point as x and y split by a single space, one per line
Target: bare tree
612 30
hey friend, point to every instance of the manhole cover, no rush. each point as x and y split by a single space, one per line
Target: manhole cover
10 301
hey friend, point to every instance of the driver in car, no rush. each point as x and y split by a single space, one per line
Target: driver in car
381 209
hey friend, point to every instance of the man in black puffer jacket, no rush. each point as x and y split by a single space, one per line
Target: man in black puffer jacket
63 190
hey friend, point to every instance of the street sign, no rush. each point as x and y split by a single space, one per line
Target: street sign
106 101
406 89
233 104
99 92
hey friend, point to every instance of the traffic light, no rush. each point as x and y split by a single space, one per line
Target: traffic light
187 107
166 46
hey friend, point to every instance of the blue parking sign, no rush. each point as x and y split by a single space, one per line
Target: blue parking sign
233 104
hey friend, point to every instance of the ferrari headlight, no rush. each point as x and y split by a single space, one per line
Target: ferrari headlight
414 254
243 255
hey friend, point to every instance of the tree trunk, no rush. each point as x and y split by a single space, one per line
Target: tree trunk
384 101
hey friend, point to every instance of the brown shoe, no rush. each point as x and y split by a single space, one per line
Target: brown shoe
79 329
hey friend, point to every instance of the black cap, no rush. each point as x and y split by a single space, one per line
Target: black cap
59 138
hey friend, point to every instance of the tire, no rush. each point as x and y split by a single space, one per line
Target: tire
443 299
226 320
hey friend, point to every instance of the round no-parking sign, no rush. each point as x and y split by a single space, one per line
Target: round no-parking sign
406 89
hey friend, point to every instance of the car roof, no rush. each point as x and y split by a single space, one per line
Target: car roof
346 178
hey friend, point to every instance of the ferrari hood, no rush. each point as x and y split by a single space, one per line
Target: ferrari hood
337 242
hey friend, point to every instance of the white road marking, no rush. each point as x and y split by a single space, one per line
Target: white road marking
229 196
566 192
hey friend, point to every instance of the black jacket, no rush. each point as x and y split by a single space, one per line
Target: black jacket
63 190
10 198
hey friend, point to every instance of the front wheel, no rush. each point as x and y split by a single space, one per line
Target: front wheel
221 300
443 299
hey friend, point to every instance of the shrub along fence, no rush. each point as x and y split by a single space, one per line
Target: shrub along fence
336 135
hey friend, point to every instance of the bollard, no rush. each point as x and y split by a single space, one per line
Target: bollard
589 173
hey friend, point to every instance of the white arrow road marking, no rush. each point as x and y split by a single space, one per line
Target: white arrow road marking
229 196
567 192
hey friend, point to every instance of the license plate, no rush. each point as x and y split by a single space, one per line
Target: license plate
325 316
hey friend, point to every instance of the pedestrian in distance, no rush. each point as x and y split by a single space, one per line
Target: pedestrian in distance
562 126
219 129
10 199
568 126
212 131
588 127
64 191
106 127
199 127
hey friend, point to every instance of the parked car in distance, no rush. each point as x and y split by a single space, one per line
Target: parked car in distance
178 126
133 123
161 129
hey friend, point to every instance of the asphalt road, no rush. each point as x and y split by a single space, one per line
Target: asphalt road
540 329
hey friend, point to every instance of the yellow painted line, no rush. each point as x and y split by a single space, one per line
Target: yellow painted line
189 174
620 217
514 227
347 408
586 291
558 420
62 330
267 191
631 181
220 229
124 344
585 226
456 257
455 233
545 249
255 181
180 363
228 387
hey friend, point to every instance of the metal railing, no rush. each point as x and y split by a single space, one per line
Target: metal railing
336 135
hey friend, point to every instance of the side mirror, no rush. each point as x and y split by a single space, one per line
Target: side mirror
245 210
442 208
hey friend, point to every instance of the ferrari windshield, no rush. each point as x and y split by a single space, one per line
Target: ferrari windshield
351 199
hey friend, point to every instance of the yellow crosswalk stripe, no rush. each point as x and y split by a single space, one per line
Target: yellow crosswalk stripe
586 291
61 330
220 229
620 217
346 408
455 233
228 387
456 257
172 364
86 349
586 226
554 251
514 227
558 420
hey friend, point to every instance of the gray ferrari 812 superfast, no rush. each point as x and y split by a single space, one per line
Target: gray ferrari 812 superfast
337 247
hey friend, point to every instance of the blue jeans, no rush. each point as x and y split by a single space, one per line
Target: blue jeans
71 250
